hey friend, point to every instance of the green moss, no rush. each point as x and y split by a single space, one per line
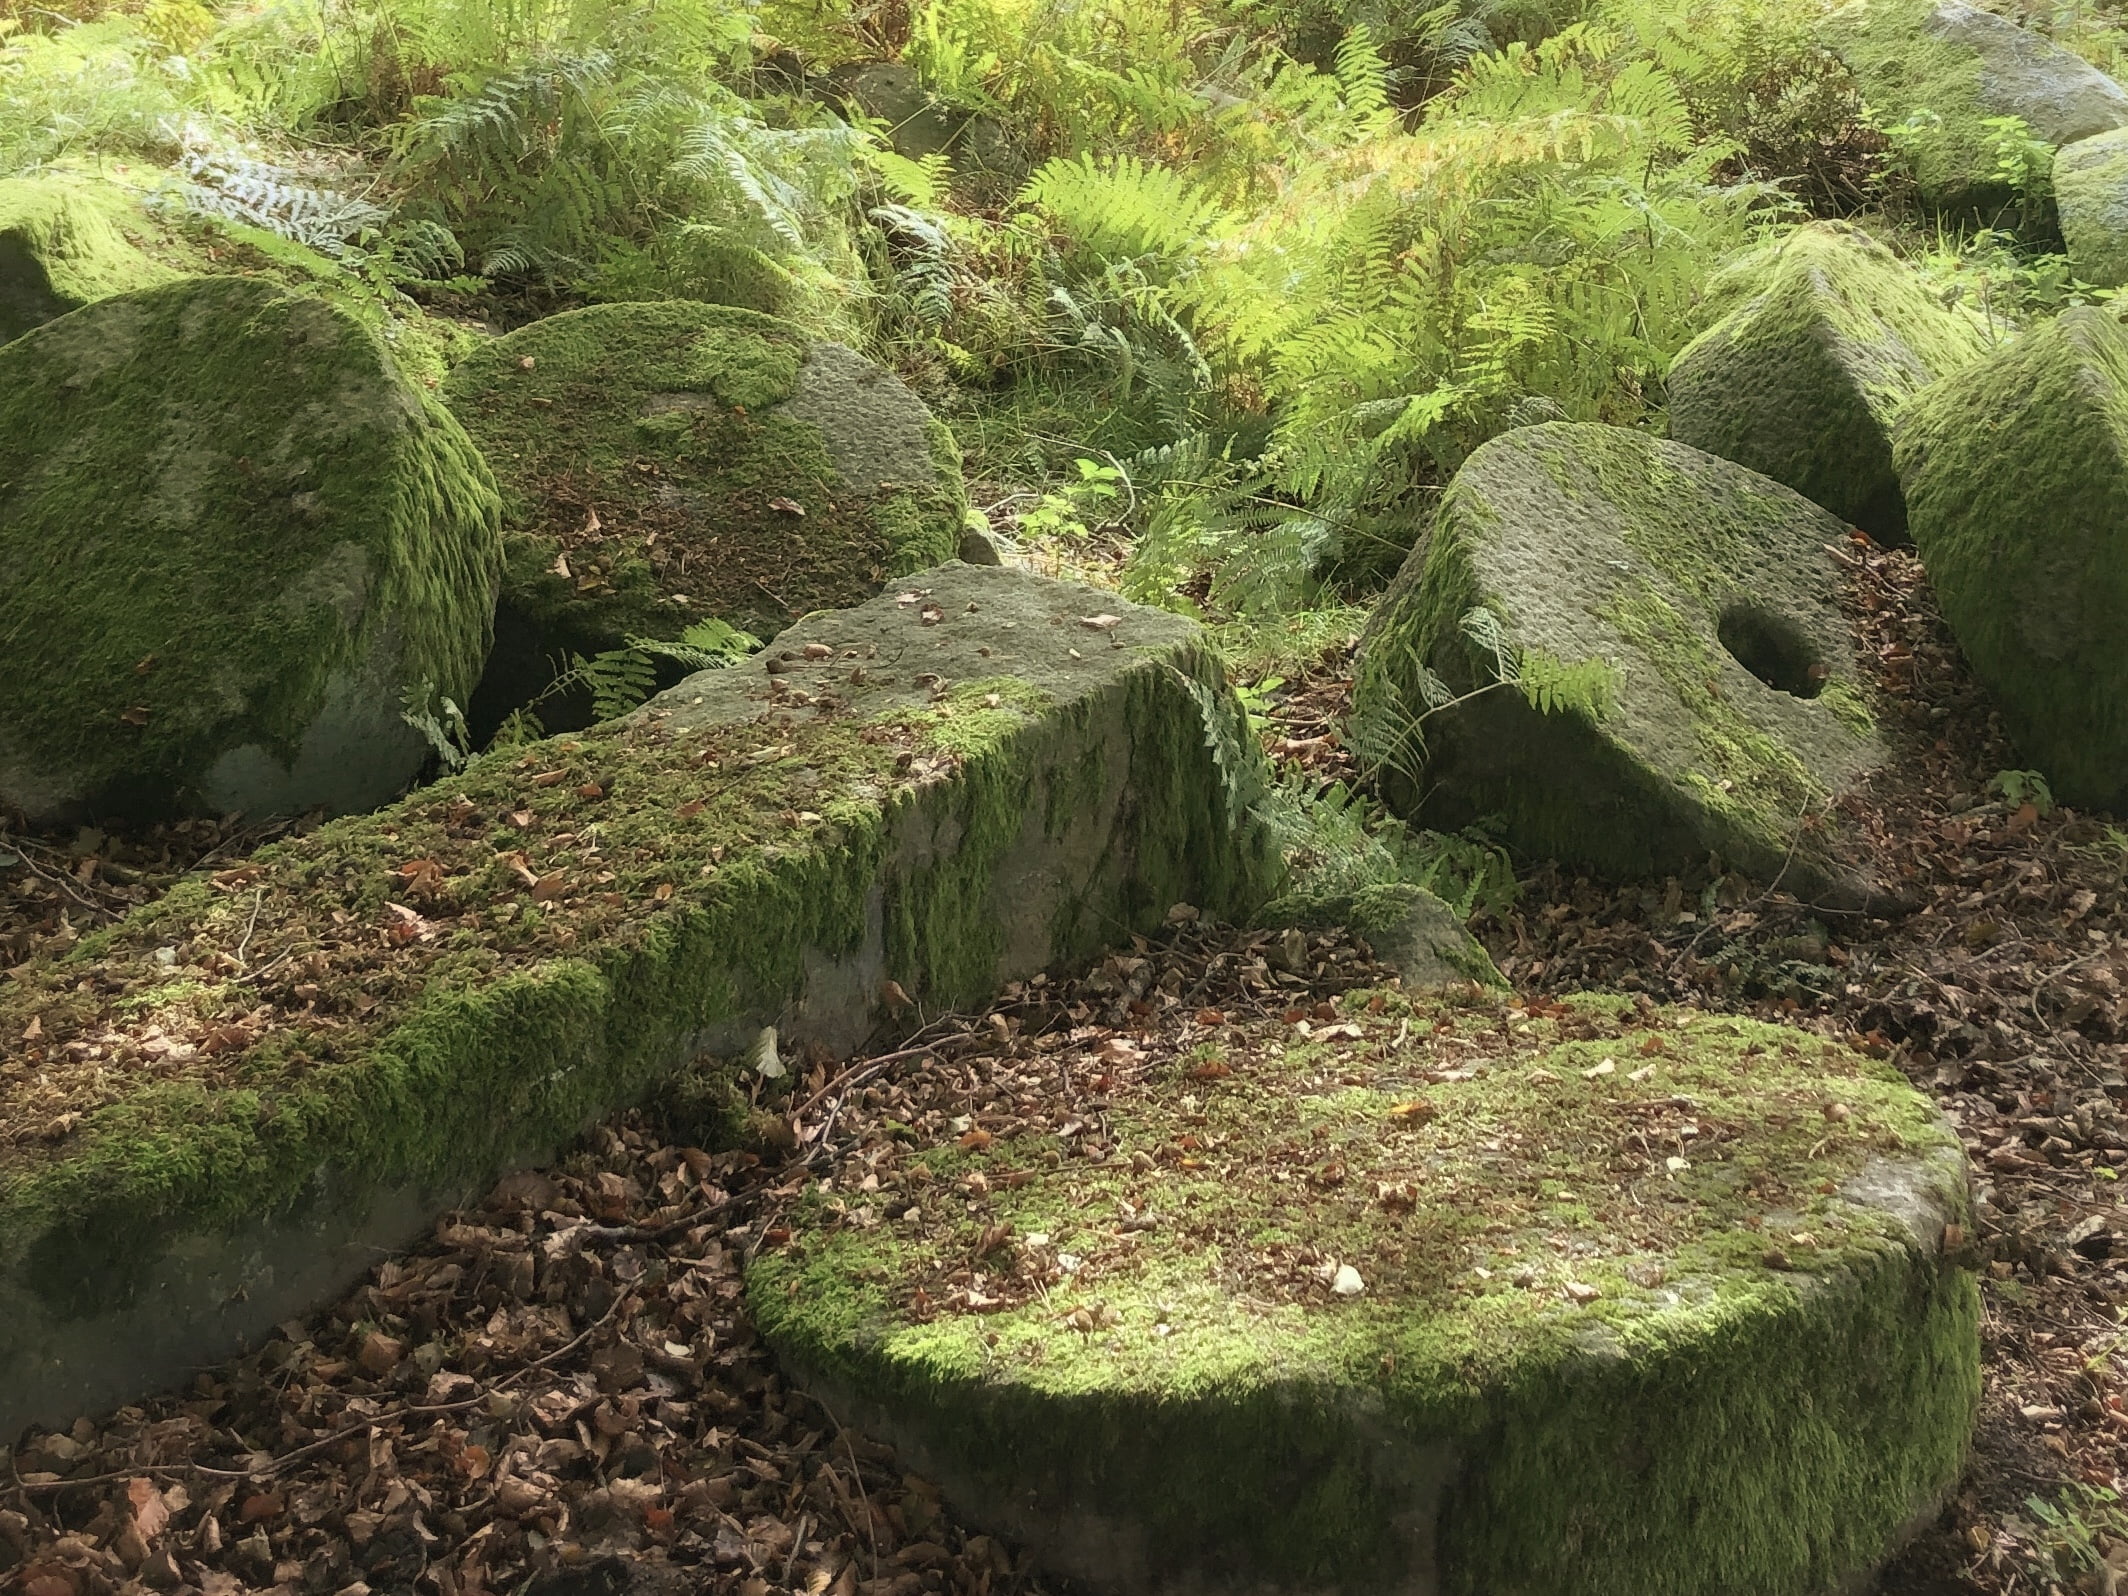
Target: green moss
715 871
1710 1420
1741 772
64 244
2091 190
1937 74
661 464
219 500
1823 336
2016 473
1904 71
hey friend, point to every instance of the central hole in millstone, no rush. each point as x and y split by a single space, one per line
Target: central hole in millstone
1773 648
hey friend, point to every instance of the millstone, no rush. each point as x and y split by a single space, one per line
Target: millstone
2016 475
1828 335
1955 67
1574 1299
1686 681
2091 195
664 464
236 539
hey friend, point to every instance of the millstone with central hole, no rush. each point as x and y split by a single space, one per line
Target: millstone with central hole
1579 1300
1629 654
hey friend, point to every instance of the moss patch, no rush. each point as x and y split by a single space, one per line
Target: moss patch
2016 475
2091 191
64 244
466 978
665 463
1713 700
230 523
1829 334
1632 1319
1948 69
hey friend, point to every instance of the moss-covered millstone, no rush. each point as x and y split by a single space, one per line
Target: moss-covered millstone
1687 680
1824 335
1954 67
211 1114
2016 475
63 244
1592 1301
668 463
234 537
2091 196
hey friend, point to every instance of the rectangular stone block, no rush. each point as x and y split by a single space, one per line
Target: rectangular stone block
220 1109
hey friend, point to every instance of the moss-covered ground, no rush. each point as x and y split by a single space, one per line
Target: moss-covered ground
1608 1266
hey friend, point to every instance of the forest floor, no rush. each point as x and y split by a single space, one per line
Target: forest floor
566 1375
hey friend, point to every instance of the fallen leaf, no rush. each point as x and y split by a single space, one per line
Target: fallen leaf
787 507
150 1512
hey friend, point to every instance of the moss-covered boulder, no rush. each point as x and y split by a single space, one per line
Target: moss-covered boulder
235 538
212 1114
1579 1300
2091 196
1824 335
1954 67
1629 653
64 244
2016 475
668 463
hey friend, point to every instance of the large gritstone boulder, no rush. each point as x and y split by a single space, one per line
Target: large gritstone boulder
2016 476
1646 658
2091 196
236 540
664 464
212 1115
1592 1302
1827 335
63 245
1948 68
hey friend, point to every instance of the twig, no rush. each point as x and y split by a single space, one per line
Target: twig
258 902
